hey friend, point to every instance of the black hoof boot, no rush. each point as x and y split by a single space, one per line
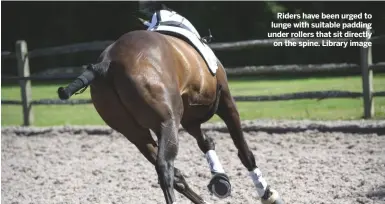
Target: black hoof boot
220 185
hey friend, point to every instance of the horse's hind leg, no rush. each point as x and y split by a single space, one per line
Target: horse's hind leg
104 97
219 185
167 151
149 150
228 112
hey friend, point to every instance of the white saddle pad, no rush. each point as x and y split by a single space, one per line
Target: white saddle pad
205 51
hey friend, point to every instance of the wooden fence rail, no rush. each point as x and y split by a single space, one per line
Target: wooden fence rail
22 56
330 68
226 46
319 95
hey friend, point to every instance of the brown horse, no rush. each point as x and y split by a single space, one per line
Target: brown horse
151 81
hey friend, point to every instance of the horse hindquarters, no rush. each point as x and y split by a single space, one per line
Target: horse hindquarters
157 106
108 105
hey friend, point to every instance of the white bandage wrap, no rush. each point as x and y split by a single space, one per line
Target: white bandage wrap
259 182
212 159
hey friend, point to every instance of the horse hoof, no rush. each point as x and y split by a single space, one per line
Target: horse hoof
273 199
220 185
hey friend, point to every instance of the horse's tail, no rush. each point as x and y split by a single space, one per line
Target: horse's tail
84 80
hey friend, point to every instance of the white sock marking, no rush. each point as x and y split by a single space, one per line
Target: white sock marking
259 182
215 165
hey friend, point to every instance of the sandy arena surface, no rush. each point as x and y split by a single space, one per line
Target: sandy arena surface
96 165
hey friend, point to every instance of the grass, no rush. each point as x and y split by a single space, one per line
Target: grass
328 109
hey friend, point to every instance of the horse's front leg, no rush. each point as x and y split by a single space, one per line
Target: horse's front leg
229 114
219 184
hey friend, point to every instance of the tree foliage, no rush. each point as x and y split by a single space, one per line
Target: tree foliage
44 24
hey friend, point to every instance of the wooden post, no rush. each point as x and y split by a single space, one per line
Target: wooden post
25 85
367 80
